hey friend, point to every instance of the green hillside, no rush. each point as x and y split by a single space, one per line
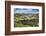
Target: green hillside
26 20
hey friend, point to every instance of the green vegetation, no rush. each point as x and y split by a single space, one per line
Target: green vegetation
21 20
21 25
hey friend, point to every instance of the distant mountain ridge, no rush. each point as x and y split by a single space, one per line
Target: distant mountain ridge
26 14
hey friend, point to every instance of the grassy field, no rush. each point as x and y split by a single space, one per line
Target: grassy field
23 25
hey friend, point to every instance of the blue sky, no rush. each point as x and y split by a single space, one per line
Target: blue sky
25 10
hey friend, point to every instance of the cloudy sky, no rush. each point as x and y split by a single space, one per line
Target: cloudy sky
25 10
